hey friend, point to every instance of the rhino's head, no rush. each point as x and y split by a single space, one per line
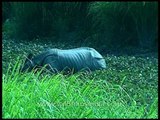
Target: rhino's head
28 64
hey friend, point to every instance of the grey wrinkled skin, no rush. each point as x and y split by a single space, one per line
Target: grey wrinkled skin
57 60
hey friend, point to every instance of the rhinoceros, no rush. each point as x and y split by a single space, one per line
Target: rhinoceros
57 60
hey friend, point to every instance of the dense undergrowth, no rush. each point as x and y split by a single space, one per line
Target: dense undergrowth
107 25
128 88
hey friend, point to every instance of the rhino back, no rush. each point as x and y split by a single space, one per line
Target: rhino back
74 58
41 58
77 58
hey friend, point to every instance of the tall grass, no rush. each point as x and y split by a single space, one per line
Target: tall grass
38 95
49 19
111 25
121 24
5 11
31 20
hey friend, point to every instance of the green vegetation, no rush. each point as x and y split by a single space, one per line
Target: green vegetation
128 88
108 25
125 23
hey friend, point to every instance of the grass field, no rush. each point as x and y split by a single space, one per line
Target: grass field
128 88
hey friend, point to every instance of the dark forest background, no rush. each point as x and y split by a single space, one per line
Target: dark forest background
108 26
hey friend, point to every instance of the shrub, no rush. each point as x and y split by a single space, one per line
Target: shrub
111 25
6 11
119 24
60 19
9 28
30 20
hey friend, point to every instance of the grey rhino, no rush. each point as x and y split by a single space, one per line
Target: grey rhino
58 60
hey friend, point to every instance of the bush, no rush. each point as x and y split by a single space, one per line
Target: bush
9 28
69 20
119 24
145 16
31 20
6 11
60 19
107 25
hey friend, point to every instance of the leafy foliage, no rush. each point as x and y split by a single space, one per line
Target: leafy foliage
128 88
111 25
119 24
6 11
